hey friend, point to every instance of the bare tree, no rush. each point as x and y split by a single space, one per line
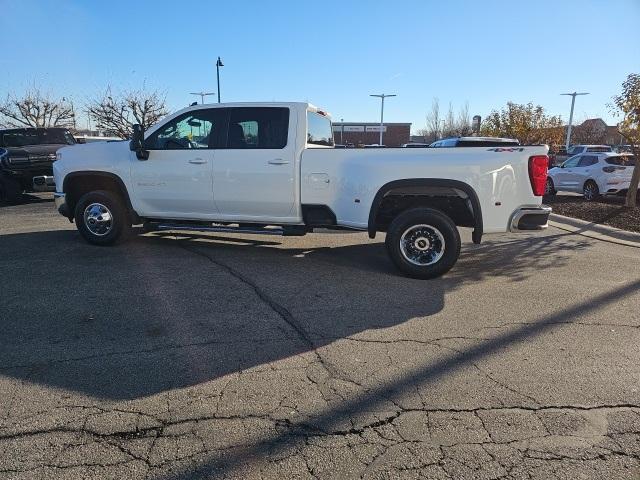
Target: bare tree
117 113
433 120
36 109
463 124
448 130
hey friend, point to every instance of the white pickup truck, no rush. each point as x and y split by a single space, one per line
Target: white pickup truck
271 168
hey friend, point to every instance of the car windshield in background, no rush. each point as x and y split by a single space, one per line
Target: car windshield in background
598 149
22 138
623 160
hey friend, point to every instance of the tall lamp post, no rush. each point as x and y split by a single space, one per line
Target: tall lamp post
382 96
202 95
573 102
218 65
341 131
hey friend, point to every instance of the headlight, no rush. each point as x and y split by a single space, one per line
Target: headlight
58 156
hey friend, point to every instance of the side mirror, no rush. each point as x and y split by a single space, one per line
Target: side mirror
136 144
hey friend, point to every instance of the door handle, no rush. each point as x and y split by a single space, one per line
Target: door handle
197 161
277 161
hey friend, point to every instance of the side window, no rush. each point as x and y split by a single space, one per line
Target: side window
572 162
587 161
319 130
192 130
258 128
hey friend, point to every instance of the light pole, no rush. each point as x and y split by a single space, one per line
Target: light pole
202 95
573 102
218 65
382 96
341 131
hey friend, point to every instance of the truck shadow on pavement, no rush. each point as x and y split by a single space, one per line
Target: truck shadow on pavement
164 312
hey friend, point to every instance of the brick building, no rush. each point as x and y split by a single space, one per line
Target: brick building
363 133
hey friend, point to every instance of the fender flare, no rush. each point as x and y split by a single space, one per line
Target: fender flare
111 176
428 182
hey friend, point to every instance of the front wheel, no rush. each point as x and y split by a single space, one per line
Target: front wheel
10 190
101 218
423 243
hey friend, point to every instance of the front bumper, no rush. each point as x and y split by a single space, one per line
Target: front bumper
530 218
61 204
44 183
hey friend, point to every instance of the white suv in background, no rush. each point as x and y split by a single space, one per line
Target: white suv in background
592 174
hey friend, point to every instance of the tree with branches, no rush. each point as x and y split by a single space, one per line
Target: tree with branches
528 123
117 113
36 109
627 104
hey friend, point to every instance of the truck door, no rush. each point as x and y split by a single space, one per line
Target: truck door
254 170
176 181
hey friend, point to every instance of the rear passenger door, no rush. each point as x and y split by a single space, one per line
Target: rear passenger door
254 170
583 171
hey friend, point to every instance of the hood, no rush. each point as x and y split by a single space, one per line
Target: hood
27 150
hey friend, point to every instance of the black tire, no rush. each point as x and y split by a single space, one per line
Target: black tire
590 190
435 247
10 190
99 206
550 188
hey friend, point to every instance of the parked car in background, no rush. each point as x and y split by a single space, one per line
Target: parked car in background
592 174
28 164
560 158
475 142
414 145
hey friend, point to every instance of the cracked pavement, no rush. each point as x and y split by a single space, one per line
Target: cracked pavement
207 356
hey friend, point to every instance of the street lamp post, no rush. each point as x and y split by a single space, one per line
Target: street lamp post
218 65
573 102
382 96
202 95
341 131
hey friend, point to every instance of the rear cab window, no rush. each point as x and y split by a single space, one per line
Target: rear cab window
258 128
319 131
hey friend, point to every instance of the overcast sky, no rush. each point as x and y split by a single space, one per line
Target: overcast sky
331 53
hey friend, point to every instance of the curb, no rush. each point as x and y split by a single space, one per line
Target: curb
595 230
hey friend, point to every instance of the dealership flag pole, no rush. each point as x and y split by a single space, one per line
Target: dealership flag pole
382 96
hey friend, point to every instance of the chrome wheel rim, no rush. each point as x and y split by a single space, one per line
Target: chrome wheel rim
422 245
547 188
98 219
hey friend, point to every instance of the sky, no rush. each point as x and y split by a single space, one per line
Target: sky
330 53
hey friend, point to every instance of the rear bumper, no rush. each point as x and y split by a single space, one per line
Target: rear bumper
530 218
61 204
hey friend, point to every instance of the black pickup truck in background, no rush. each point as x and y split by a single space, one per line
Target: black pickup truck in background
27 165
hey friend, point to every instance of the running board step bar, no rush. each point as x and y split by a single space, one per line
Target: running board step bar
284 231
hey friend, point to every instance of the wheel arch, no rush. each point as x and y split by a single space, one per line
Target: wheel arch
76 184
427 187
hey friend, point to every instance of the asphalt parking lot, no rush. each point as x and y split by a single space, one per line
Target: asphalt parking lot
207 356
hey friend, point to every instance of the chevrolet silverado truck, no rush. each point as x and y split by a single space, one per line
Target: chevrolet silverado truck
27 165
272 168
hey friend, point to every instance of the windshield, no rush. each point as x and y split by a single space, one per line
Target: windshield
24 137
599 149
623 160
